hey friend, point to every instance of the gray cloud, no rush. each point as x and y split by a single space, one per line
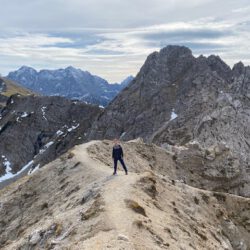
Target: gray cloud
112 38
67 14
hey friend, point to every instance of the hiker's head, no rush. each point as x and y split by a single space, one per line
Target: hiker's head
116 141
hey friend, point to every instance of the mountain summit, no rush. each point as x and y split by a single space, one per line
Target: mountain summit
176 99
69 82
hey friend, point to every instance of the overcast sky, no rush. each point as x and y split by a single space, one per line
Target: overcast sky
112 38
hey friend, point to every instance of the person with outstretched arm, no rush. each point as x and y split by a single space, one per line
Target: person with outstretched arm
117 155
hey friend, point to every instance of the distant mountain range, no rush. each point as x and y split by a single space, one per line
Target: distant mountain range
70 82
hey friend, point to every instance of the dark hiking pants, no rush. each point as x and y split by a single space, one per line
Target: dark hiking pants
122 162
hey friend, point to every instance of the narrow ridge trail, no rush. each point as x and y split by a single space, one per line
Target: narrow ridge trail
75 203
115 191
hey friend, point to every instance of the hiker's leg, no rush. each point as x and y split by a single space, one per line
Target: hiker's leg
115 165
123 165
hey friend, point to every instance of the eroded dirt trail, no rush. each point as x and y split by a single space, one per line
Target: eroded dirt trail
115 191
76 203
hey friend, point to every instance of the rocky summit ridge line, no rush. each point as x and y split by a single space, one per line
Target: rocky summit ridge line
176 99
70 82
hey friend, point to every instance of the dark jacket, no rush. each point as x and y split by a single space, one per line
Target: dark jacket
117 152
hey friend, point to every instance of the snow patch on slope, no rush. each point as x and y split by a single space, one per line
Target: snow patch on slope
25 114
43 112
45 147
31 171
173 115
73 127
10 175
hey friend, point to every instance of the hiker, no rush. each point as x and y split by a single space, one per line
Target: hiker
117 155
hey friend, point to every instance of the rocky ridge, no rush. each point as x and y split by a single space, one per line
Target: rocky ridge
75 203
178 99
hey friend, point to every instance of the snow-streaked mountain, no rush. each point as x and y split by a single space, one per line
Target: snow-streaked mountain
69 82
36 129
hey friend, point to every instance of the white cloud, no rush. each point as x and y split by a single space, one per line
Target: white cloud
112 38
26 44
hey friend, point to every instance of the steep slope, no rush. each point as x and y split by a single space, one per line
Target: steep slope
74 203
35 130
69 82
177 98
8 88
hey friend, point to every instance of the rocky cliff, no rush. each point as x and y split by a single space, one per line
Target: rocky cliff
34 130
178 99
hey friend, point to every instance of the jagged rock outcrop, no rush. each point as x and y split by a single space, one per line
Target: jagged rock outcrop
146 104
69 82
75 203
34 130
177 98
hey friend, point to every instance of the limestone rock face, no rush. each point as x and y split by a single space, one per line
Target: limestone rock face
141 108
177 98
212 168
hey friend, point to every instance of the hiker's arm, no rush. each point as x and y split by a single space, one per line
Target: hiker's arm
121 152
113 152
